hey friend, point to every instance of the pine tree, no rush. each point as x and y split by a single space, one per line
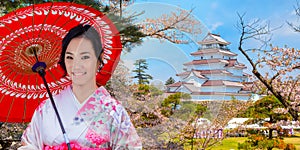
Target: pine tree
170 81
141 67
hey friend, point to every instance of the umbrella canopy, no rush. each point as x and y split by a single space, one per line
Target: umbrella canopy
41 28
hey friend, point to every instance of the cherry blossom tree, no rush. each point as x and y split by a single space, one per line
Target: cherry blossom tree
172 27
208 133
282 64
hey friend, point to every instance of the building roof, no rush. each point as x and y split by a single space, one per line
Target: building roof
184 73
179 83
235 63
211 38
220 93
228 63
208 51
176 84
219 71
187 73
198 74
202 73
189 86
222 83
206 61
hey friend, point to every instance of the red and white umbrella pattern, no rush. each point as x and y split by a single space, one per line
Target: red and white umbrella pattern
41 27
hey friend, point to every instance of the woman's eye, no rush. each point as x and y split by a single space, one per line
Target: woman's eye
69 57
85 57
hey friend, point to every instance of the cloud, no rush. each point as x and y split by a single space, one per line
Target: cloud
214 26
214 5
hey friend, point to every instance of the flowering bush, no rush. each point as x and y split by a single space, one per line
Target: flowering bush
261 142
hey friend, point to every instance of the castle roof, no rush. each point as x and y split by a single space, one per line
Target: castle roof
189 86
205 61
221 83
203 73
209 83
213 38
235 63
213 71
177 84
200 73
228 63
220 93
208 51
187 73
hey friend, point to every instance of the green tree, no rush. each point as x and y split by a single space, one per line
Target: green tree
267 108
171 103
141 67
170 81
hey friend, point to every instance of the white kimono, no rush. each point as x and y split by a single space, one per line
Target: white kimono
101 122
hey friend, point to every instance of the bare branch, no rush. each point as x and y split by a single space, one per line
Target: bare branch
297 11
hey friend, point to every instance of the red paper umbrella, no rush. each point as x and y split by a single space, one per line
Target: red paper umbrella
41 28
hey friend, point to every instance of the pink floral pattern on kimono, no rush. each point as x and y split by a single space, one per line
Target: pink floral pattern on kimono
108 119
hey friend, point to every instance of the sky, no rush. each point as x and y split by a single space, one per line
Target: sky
217 16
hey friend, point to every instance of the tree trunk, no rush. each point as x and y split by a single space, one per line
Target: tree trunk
271 134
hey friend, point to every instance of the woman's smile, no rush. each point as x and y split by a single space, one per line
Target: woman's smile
78 73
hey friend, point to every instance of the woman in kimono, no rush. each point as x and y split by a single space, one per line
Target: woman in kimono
91 117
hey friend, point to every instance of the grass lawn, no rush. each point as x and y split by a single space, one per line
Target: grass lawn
229 143
232 143
293 140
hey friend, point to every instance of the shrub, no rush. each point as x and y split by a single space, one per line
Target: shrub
261 142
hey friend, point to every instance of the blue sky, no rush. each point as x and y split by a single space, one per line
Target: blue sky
217 16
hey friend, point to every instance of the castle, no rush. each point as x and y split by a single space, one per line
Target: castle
213 74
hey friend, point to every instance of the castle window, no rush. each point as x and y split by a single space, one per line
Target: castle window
208 45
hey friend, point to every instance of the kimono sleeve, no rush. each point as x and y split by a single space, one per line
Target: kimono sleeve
125 134
32 138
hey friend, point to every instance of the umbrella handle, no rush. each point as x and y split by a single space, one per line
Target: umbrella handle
39 67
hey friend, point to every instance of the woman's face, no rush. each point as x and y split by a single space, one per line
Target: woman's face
81 62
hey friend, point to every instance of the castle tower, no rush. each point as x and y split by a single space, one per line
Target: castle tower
213 74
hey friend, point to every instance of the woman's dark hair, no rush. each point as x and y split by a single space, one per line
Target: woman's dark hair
85 31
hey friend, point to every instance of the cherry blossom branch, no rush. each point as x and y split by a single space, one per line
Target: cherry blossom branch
280 60
171 27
